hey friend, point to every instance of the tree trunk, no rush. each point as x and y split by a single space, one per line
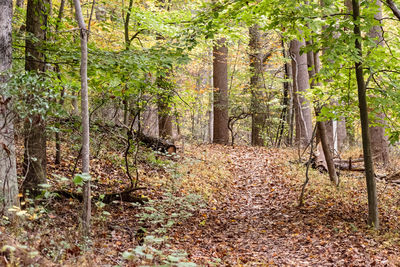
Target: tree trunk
379 142
35 128
256 85
164 108
8 171
300 84
220 82
86 213
362 99
285 114
61 102
211 104
313 68
164 120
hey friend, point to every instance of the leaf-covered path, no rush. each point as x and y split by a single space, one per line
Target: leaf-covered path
259 222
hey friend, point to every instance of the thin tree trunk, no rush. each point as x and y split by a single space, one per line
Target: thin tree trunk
58 137
373 219
35 128
86 214
211 104
285 104
392 5
327 152
126 25
220 82
8 171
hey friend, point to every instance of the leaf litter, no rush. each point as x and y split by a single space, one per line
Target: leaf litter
250 215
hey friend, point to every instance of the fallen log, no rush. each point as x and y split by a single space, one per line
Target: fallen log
340 161
108 198
349 167
156 143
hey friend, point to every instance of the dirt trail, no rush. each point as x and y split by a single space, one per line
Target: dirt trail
260 225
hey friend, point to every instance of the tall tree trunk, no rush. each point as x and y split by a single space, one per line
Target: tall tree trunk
8 171
300 84
211 100
61 102
373 219
285 114
379 141
256 85
220 82
86 213
35 127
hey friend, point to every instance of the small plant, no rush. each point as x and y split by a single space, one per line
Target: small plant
162 215
150 252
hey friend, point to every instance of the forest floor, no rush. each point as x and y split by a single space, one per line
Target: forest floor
214 206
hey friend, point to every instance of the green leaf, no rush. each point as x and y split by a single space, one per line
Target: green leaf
81 178
186 264
127 255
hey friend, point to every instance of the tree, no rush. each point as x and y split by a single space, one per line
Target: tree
373 219
86 213
35 126
379 142
314 66
58 137
8 171
220 82
164 118
256 85
300 85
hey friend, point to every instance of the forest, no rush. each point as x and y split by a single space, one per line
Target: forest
199 133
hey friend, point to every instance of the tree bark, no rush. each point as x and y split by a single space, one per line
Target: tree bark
8 171
379 141
220 82
164 108
256 85
164 120
300 84
35 128
86 213
373 219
